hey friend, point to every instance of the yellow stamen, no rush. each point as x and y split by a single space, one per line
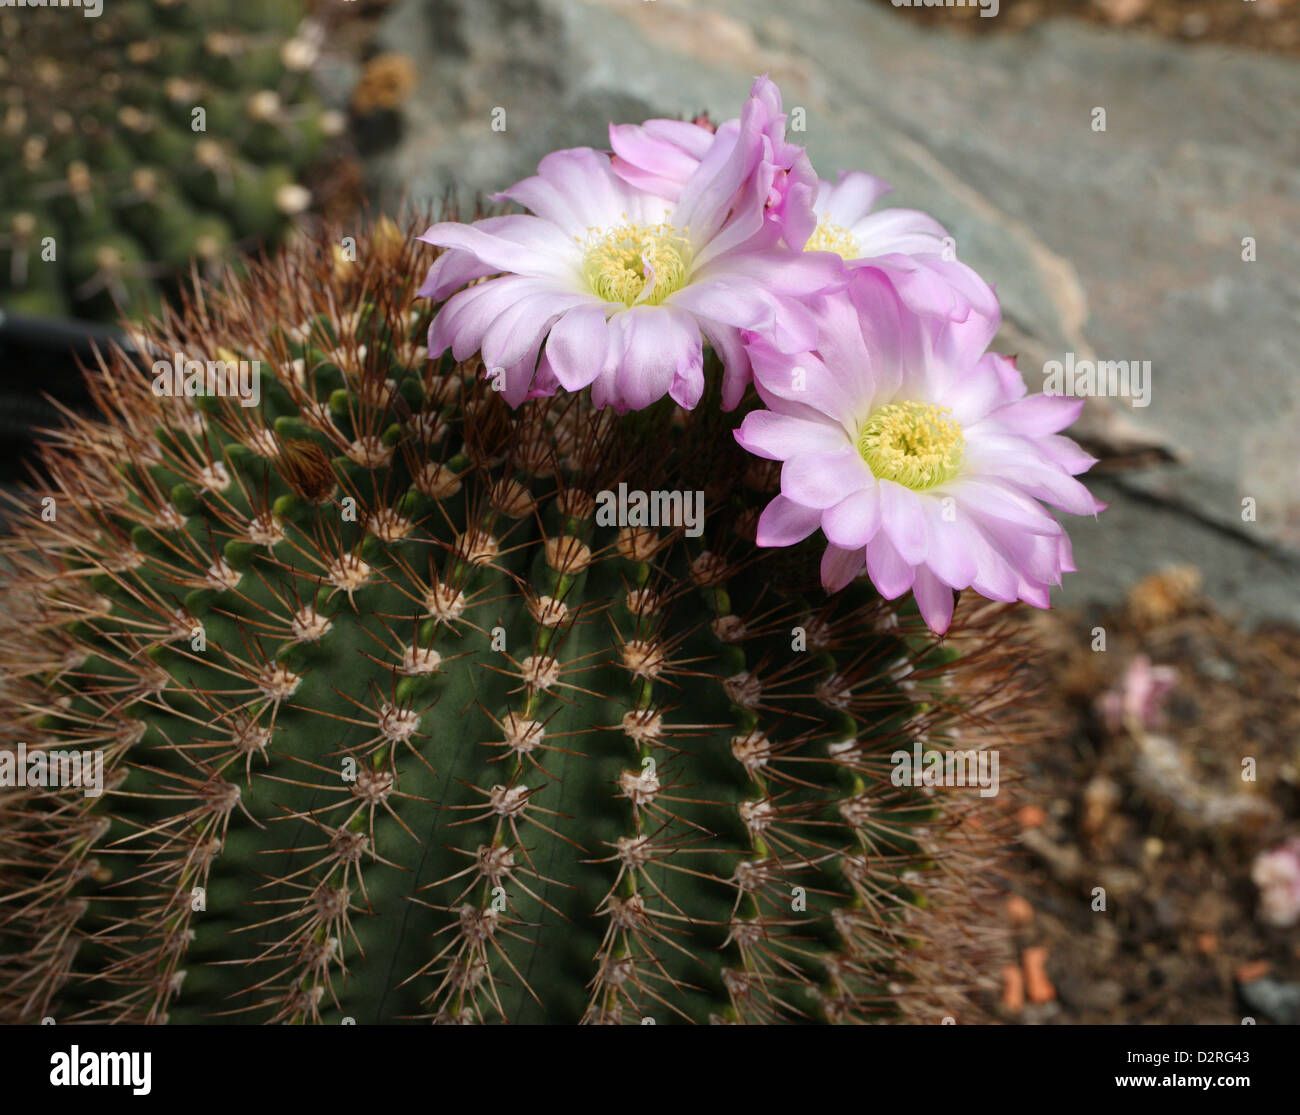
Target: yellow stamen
830 237
918 445
637 264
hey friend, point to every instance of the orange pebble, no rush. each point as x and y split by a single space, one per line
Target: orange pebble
1207 943
1038 987
1253 970
1019 911
1031 816
1013 988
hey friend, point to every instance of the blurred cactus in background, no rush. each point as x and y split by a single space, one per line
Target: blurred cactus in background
160 132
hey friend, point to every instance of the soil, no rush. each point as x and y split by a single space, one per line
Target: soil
1166 825
1172 846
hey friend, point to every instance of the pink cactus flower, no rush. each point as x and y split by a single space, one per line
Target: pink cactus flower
917 453
911 247
621 286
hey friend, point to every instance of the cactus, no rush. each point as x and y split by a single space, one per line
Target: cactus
111 183
397 724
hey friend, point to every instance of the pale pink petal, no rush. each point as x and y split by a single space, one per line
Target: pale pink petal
934 599
993 577
1033 557
749 304
662 354
516 381
1065 453
802 379
1066 553
1039 415
730 348
902 519
780 437
853 522
466 317
655 158
451 271
523 324
851 198
520 244
694 139
948 556
545 384
961 346
784 522
1015 461
895 342
577 190
839 567
742 306
908 231
779 270
707 196
1035 595
891 575
999 500
823 479
577 347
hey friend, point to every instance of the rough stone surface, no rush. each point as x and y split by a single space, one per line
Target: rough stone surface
1122 244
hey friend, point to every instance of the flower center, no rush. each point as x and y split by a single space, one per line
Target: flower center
830 237
637 264
918 445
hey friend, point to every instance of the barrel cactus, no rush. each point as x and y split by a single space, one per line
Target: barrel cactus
502 677
400 722
157 133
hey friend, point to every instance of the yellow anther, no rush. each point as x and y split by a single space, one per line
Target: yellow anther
830 237
918 445
637 264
